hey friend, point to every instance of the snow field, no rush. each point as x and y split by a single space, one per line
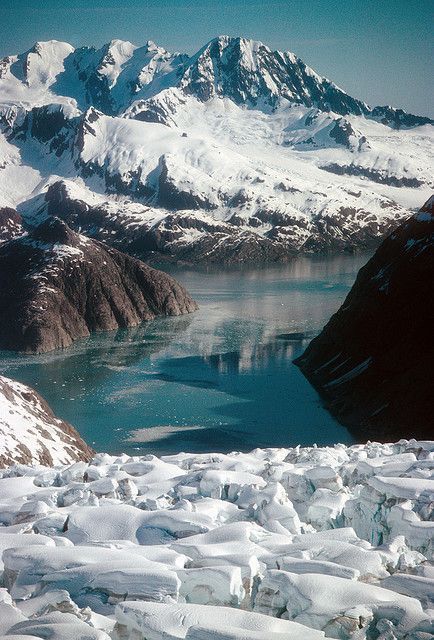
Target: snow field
278 543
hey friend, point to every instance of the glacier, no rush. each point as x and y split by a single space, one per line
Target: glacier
307 542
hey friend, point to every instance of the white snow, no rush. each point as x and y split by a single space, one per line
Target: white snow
291 543
231 159
28 431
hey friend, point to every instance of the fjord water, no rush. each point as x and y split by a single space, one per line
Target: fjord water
220 379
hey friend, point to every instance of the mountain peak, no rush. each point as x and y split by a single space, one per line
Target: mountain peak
250 73
246 71
122 47
151 45
50 45
55 231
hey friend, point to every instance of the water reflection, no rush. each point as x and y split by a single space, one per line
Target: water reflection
251 357
221 378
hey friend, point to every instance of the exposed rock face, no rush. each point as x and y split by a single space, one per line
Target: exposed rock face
30 433
373 361
57 286
10 224
265 236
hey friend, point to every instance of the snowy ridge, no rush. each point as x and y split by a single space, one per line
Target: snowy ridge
266 157
292 543
30 433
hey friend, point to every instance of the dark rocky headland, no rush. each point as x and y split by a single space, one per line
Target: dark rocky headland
373 361
57 286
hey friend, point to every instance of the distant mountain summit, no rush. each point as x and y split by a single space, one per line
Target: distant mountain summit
235 154
373 360
57 286
246 71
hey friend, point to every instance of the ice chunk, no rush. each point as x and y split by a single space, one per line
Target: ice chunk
318 601
58 626
125 522
420 587
9 614
325 508
295 565
152 621
212 585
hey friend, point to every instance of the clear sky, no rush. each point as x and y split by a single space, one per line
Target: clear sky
381 51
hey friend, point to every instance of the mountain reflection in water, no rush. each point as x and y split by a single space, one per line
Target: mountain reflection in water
221 378
251 357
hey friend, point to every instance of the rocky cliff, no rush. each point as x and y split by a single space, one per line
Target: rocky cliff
30 433
10 224
57 286
372 362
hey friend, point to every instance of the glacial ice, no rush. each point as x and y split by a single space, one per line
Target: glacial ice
273 544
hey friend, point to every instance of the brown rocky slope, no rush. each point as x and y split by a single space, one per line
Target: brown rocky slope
57 286
373 361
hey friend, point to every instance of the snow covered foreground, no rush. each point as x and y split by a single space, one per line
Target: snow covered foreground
274 544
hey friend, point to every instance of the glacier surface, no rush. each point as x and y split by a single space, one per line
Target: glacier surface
298 543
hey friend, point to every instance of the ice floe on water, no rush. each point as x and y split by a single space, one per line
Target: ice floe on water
278 544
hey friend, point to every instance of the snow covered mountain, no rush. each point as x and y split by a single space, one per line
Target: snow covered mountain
30 433
235 154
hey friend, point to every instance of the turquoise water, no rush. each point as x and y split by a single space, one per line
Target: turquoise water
219 379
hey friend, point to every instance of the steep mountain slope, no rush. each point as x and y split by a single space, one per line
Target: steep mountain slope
57 286
30 433
237 153
10 224
373 360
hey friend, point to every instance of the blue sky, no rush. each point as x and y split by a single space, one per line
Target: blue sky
381 51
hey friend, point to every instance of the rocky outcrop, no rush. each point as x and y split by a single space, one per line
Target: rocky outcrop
372 362
30 433
267 236
10 224
57 286
372 174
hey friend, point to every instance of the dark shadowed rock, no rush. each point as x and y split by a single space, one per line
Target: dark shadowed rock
372 174
30 433
57 286
373 361
10 224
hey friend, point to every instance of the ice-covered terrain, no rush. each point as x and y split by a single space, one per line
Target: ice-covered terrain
235 154
282 544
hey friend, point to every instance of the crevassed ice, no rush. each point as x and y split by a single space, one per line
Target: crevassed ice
298 543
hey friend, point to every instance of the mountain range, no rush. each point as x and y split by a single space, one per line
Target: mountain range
236 154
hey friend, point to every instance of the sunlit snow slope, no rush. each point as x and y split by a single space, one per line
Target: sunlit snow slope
235 154
30 433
